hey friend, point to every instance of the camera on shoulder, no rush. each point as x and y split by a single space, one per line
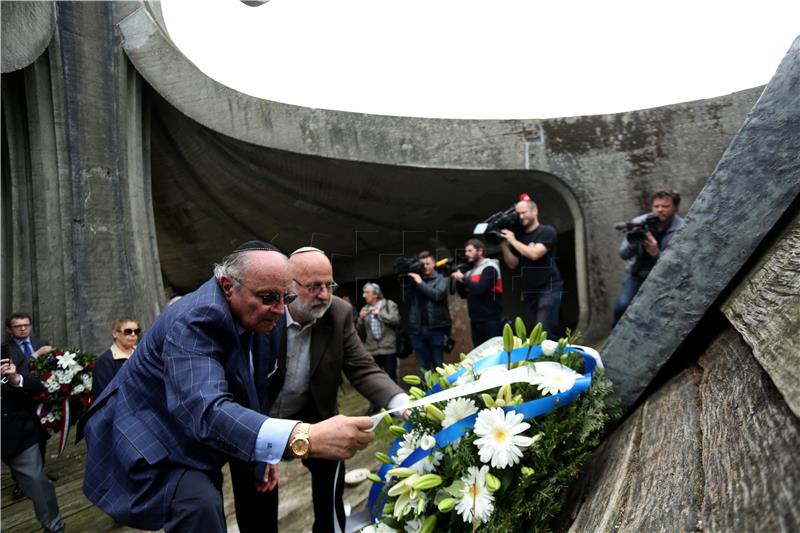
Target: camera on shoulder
490 228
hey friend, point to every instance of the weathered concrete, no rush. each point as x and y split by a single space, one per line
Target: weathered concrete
587 172
27 28
763 310
755 182
603 167
81 244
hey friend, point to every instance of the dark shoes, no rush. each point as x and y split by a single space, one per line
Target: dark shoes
16 492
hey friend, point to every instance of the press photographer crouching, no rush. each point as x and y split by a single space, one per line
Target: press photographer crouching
425 294
646 236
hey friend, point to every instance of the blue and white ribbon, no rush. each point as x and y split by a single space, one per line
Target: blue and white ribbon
529 409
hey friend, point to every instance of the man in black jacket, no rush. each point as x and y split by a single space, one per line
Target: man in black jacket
482 286
22 435
428 314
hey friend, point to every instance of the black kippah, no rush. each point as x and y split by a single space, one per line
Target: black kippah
257 245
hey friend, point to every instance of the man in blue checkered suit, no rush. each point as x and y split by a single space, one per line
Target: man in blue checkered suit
191 398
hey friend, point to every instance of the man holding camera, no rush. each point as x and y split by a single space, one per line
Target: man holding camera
482 286
428 314
643 244
23 437
535 251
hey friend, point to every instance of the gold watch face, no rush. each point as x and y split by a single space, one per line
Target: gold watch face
300 447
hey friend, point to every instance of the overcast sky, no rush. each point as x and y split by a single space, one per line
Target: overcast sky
485 59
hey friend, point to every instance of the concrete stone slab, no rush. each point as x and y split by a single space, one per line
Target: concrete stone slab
754 183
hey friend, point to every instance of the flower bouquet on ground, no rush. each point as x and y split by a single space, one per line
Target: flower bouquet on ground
493 441
66 374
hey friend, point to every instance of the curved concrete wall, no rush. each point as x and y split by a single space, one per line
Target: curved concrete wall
603 167
27 28
606 165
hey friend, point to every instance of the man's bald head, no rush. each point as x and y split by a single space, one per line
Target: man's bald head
246 278
308 260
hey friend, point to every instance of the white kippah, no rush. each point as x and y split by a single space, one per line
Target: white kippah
304 249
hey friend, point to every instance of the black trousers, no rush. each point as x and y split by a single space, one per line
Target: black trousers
485 330
327 488
258 513
197 504
255 512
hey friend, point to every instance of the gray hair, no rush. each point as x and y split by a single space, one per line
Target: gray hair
375 287
233 266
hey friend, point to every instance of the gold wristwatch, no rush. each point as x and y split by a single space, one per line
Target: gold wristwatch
299 443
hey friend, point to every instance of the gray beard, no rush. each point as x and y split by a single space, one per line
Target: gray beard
303 313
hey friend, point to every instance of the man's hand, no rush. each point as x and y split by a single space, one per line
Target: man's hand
457 275
340 437
270 480
508 235
44 349
416 277
363 313
9 371
651 245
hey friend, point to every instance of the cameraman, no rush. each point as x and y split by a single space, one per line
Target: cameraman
482 286
643 252
428 314
534 251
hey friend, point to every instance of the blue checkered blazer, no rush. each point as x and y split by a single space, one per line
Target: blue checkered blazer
180 402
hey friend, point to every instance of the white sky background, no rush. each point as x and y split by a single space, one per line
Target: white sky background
491 59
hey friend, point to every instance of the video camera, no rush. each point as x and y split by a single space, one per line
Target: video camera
490 228
637 228
447 267
406 265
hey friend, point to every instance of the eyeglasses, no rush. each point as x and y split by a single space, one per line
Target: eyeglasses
316 288
130 331
21 326
272 297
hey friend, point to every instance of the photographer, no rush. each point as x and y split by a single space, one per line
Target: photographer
23 436
644 242
425 294
534 251
482 286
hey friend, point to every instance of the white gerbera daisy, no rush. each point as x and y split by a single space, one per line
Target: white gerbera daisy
499 440
476 501
458 409
553 378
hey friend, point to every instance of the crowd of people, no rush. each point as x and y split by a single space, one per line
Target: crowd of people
245 370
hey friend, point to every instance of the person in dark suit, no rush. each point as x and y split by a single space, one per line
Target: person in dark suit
22 436
125 332
20 341
189 400
319 343
20 346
